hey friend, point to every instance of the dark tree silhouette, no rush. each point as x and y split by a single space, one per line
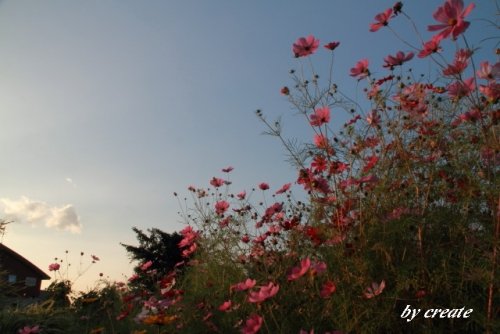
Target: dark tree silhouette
157 246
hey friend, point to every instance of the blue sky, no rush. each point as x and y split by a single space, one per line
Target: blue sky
108 107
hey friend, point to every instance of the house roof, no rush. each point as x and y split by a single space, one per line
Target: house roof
10 252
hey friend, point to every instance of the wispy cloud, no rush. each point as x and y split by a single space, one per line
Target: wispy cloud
70 181
40 213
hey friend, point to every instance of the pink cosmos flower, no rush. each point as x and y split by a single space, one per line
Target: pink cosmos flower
398 59
226 306
318 267
361 69
54 266
463 55
189 236
320 116
221 207
146 266
370 161
332 45
252 325
225 222
245 285
469 116
265 292
491 91
30 330
300 270
459 89
327 289
456 68
263 186
216 182
373 118
431 47
283 189
227 170
320 140
133 277
382 20
374 290
190 250
451 15
305 46
242 195
489 72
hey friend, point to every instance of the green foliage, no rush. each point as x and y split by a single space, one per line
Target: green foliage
51 319
59 292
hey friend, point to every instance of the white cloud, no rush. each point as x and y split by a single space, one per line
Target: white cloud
38 212
70 181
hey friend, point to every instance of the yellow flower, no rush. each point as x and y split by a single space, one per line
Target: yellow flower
159 319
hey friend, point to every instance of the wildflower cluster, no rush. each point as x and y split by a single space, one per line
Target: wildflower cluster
402 206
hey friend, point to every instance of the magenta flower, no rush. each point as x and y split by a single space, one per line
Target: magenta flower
491 91
216 182
320 141
318 267
459 89
431 47
300 270
382 20
221 207
226 306
305 46
252 325
373 118
189 236
263 186
190 250
451 15
397 60
374 290
489 72
242 195
30 330
54 266
320 116
145 266
283 189
469 116
245 285
332 45
327 289
361 69
456 68
265 292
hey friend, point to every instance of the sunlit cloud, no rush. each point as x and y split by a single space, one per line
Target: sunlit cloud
26 210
